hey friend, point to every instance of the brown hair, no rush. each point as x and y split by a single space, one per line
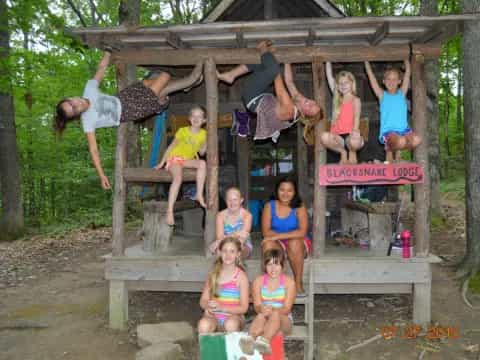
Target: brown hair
61 119
277 255
217 266
395 70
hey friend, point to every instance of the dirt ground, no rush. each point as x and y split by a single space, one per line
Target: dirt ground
53 305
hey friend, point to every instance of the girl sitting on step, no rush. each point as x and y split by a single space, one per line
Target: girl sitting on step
234 221
183 152
273 297
225 294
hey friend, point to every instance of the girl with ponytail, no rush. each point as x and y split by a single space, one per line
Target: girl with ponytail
225 294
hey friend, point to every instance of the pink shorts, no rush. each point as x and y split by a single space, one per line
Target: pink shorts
175 160
306 241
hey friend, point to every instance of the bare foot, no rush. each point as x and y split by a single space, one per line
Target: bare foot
201 200
226 77
169 218
265 46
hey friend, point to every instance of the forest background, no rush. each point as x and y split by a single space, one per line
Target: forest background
59 187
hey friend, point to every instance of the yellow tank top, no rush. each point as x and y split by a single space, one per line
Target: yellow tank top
188 144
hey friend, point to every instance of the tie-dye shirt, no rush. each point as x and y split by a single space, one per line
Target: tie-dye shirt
276 298
228 295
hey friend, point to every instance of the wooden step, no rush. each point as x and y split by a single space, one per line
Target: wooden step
299 333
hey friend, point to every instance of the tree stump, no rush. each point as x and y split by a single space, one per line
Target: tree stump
157 235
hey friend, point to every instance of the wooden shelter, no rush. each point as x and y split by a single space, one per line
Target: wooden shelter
316 32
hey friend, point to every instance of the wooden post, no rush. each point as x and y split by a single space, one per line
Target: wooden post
243 167
422 293
212 151
320 192
118 311
302 166
118 211
420 126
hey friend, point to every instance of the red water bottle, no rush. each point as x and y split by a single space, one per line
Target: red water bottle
405 236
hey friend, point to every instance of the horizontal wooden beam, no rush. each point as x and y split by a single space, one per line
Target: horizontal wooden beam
149 57
146 175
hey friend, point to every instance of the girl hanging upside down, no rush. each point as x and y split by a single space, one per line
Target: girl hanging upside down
96 110
273 112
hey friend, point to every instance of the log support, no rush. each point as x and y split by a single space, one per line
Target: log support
320 192
157 234
212 151
118 312
120 195
420 126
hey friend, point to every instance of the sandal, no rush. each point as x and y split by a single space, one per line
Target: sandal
262 345
247 345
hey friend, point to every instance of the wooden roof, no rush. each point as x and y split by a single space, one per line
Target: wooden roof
249 10
335 39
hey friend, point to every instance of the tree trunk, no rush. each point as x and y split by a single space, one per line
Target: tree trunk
471 54
429 8
11 221
459 88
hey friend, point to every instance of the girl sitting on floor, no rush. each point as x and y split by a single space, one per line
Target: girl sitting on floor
225 294
234 221
273 297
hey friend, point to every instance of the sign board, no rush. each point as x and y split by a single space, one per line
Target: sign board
371 174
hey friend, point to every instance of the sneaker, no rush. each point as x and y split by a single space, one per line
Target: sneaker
262 345
247 345
242 120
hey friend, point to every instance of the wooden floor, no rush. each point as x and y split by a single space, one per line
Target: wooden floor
340 271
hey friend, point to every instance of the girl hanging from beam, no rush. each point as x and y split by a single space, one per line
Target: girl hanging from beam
274 112
136 102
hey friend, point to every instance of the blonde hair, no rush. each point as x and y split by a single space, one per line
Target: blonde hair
217 266
337 96
309 123
233 188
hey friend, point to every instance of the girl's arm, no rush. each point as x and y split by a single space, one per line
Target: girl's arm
267 221
256 294
301 232
102 66
203 149
244 294
219 226
165 155
330 77
373 81
205 298
291 294
247 223
406 77
357 110
95 155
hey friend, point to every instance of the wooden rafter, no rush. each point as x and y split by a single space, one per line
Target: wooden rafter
174 40
380 34
430 34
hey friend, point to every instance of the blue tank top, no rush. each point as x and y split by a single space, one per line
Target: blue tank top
393 113
286 224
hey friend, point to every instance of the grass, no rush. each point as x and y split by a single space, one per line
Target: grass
474 284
